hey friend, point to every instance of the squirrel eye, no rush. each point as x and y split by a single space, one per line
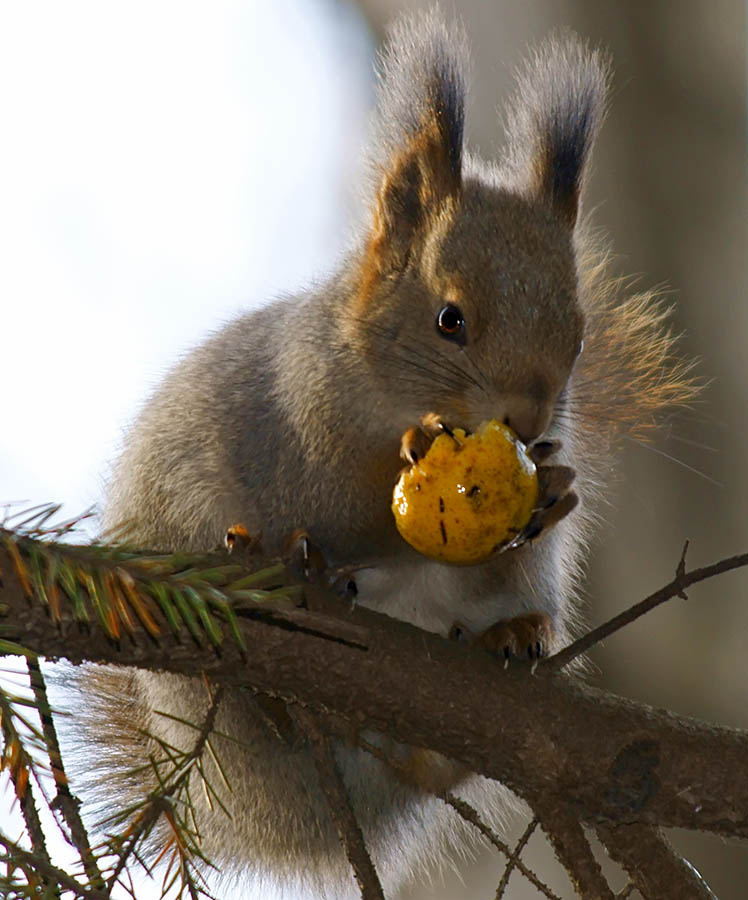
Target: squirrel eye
450 322
580 347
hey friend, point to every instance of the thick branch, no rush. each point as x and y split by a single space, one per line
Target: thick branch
611 759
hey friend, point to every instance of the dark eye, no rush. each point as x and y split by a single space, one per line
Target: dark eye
580 347
451 323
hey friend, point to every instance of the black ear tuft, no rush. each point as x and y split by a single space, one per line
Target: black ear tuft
416 150
554 118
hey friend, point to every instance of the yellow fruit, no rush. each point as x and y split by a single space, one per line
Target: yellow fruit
467 496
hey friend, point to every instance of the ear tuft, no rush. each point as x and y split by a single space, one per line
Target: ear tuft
554 118
416 151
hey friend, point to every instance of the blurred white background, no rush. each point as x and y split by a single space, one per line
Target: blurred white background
164 166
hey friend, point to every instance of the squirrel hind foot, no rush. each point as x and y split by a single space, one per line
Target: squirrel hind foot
529 636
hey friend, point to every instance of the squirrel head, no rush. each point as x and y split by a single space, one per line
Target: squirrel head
467 300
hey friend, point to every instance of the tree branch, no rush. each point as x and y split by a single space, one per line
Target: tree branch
68 805
31 862
603 758
656 870
675 588
17 760
466 812
158 803
573 850
514 858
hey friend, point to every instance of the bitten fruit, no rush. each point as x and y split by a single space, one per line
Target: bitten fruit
467 496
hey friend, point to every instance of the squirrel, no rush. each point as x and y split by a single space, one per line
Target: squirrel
474 291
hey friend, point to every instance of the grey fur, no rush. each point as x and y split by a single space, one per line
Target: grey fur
555 115
424 67
291 416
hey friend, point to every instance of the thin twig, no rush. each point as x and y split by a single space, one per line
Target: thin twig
676 588
656 870
21 769
339 804
158 802
29 860
514 858
68 805
464 810
573 851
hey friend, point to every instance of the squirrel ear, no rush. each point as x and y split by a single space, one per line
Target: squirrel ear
417 159
554 118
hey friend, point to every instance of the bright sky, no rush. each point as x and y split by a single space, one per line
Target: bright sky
164 165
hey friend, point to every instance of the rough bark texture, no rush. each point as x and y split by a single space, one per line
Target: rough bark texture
605 759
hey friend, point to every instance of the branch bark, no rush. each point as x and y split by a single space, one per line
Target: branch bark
655 868
610 760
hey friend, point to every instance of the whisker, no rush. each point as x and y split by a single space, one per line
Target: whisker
577 414
523 570
477 368
451 368
675 459
566 417
421 375
448 367
691 443
438 375
405 362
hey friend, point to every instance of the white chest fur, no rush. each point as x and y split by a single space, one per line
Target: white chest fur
433 596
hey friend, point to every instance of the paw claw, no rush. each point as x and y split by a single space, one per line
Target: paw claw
238 538
413 446
540 451
555 501
530 635
434 425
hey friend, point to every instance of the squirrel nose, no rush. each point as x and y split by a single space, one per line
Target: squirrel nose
527 418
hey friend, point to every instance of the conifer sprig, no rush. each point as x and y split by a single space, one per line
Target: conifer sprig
122 590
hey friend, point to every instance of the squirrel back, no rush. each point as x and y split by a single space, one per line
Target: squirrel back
473 292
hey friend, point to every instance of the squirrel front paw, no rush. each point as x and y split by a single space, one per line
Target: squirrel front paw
305 560
415 442
239 541
529 636
555 497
